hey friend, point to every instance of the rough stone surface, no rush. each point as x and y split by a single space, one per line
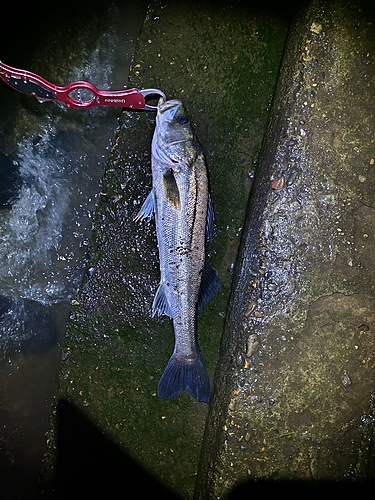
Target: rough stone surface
295 379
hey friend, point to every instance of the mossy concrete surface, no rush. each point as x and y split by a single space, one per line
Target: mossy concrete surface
223 62
296 381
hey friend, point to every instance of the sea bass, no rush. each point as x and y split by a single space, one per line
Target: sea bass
184 219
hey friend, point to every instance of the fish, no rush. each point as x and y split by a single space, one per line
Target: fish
182 206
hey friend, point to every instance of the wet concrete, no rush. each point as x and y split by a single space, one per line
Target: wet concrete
295 381
51 163
223 62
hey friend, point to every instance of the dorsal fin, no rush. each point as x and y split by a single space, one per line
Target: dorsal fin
210 285
210 219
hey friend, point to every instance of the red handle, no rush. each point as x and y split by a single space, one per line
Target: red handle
127 98
33 84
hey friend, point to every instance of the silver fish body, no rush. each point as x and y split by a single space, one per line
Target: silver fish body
183 212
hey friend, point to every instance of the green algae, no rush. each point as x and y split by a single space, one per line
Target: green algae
223 62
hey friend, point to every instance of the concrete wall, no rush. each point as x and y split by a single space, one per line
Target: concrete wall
295 383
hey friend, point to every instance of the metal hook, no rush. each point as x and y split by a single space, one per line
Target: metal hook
152 93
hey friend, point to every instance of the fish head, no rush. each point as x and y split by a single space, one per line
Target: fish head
174 135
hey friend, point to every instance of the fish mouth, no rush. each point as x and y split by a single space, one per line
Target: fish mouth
165 105
168 108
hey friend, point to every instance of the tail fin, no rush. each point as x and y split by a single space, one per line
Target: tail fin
178 378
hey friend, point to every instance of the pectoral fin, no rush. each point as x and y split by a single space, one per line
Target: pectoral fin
147 209
171 192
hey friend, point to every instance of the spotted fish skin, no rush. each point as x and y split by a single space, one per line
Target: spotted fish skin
183 211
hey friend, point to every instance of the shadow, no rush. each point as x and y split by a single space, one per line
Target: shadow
90 465
301 489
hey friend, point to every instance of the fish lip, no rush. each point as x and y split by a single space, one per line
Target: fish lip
167 109
167 105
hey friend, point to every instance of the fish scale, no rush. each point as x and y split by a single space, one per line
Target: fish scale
184 221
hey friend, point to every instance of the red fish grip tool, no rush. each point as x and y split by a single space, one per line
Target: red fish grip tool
78 94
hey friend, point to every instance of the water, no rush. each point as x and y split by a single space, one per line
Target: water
51 163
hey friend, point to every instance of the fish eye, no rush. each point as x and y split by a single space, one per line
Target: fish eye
182 120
